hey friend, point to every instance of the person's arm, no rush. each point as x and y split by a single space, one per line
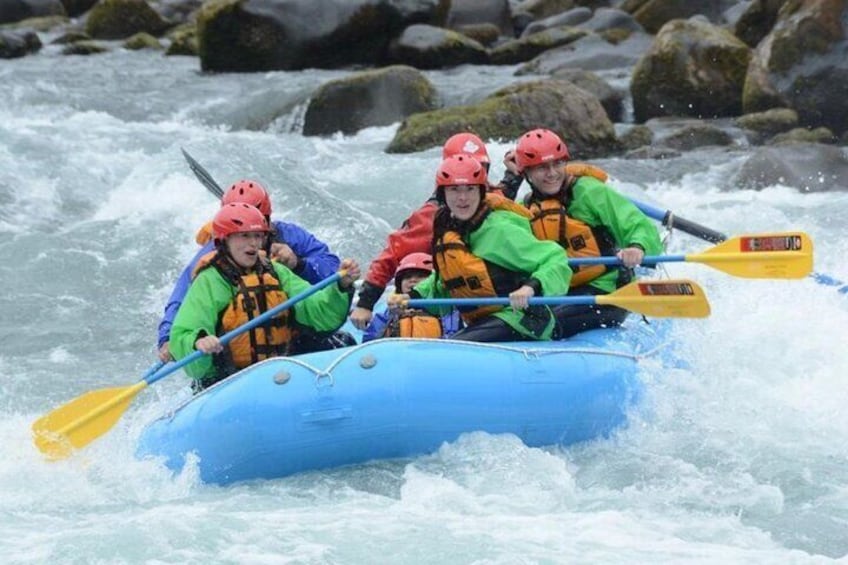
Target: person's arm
197 317
598 204
177 295
315 261
377 327
324 311
507 240
414 236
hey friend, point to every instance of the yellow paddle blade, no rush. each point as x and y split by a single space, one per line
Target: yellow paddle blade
680 298
787 255
82 420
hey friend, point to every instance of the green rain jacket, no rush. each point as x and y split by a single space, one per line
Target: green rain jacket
210 294
505 239
597 204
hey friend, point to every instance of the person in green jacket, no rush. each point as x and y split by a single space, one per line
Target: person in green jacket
588 219
482 247
238 283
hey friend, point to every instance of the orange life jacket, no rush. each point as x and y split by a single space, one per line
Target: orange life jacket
550 221
255 293
415 323
465 275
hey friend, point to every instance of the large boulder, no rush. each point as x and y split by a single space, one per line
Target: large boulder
654 14
119 19
803 64
17 10
611 99
76 8
809 167
430 47
472 12
694 69
511 111
260 35
370 98
757 20
17 43
591 53
524 49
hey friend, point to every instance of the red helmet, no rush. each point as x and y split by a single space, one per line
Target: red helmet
413 262
249 192
238 218
461 169
467 143
539 146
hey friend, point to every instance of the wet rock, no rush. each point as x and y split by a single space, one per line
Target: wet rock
509 112
17 43
485 34
84 48
757 21
809 167
762 125
591 53
636 137
71 37
429 47
142 41
371 98
540 9
474 12
571 18
16 10
796 135
42 24
524 49
259 35
611 99
693 68
183 40
119 19
652 152
803 64
606 19
654 14
696 135
76 8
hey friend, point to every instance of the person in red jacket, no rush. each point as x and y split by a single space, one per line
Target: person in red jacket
416 233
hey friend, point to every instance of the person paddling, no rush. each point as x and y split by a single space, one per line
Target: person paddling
588 219
483 247
416 232
289 244
413 269
236 284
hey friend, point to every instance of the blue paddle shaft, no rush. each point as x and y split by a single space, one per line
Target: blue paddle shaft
258 321
499 301
666 218
647 260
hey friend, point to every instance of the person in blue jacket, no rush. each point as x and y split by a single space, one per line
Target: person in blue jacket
413 268
289 244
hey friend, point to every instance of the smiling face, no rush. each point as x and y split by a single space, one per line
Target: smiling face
547 178
462 200
244 247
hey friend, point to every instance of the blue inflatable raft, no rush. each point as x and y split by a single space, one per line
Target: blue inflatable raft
396 398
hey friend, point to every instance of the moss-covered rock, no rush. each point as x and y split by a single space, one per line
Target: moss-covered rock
142 41
524 49
370 98
430 47
803 64
257 35
693 68
484 34
509 112
654 14
84 48
41 24
183 40
119 19
768 123
16 10
696 135
797 135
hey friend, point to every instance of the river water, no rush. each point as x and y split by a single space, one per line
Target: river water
739 458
